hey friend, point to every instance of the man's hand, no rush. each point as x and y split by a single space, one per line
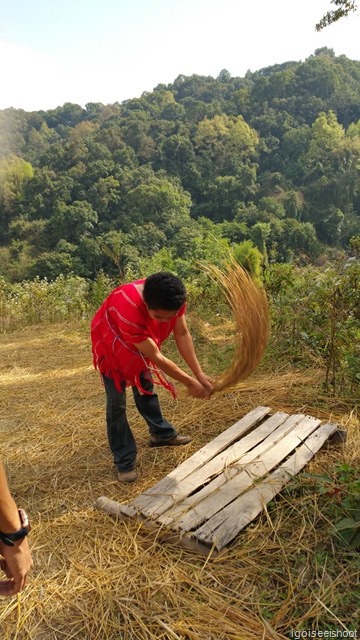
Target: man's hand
198 390
16 563
206 381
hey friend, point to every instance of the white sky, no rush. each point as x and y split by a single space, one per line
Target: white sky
110 50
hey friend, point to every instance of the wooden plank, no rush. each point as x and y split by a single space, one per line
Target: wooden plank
167 485
199 477
246 476
225 525
125 512
175 507
216 465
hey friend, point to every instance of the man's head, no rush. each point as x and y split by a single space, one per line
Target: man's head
163 293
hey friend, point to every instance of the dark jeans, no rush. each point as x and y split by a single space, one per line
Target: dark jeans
121 440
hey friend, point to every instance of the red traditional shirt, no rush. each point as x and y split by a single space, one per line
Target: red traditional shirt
121 322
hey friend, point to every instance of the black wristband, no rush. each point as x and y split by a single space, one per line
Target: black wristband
10 538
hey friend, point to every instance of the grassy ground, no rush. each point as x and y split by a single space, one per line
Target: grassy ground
95 579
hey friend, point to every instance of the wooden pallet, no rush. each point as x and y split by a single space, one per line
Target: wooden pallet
204 503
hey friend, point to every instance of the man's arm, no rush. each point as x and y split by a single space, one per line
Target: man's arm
16 561
9 517
150 350
186 349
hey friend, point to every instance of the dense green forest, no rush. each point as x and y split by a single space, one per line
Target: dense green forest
266 163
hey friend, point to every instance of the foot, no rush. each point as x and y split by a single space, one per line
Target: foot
127 476
176 441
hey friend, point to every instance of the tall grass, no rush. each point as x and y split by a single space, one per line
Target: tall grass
316 319
43 302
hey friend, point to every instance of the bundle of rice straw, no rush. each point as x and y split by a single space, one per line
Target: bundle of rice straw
251 313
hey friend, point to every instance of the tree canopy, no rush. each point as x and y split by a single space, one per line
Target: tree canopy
271 159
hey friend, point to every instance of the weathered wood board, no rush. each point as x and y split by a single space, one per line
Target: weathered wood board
205 502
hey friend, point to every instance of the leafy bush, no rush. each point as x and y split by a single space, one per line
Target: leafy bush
40 301
340 502
316 318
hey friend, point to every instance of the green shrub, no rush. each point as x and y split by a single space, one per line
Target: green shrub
315 315
39 301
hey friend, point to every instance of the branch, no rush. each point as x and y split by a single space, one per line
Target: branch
344 8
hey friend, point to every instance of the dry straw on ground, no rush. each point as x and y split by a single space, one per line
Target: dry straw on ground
96 579
251 317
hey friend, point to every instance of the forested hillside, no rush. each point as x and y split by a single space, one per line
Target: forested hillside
270 160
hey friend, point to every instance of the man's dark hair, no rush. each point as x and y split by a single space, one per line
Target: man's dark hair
164 290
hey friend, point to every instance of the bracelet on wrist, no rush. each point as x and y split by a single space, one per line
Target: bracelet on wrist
10 538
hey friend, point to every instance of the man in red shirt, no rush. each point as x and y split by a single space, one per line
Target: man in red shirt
127 332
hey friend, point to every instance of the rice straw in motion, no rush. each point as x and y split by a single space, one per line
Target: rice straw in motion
249 305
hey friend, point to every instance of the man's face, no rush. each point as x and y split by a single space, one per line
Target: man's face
161 315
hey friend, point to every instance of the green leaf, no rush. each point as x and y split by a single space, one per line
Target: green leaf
318 476
347 523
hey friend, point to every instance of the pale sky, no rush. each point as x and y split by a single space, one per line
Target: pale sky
107 51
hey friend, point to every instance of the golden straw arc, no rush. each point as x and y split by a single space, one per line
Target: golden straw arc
250 308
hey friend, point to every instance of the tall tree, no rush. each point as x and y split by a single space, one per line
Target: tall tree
14 174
